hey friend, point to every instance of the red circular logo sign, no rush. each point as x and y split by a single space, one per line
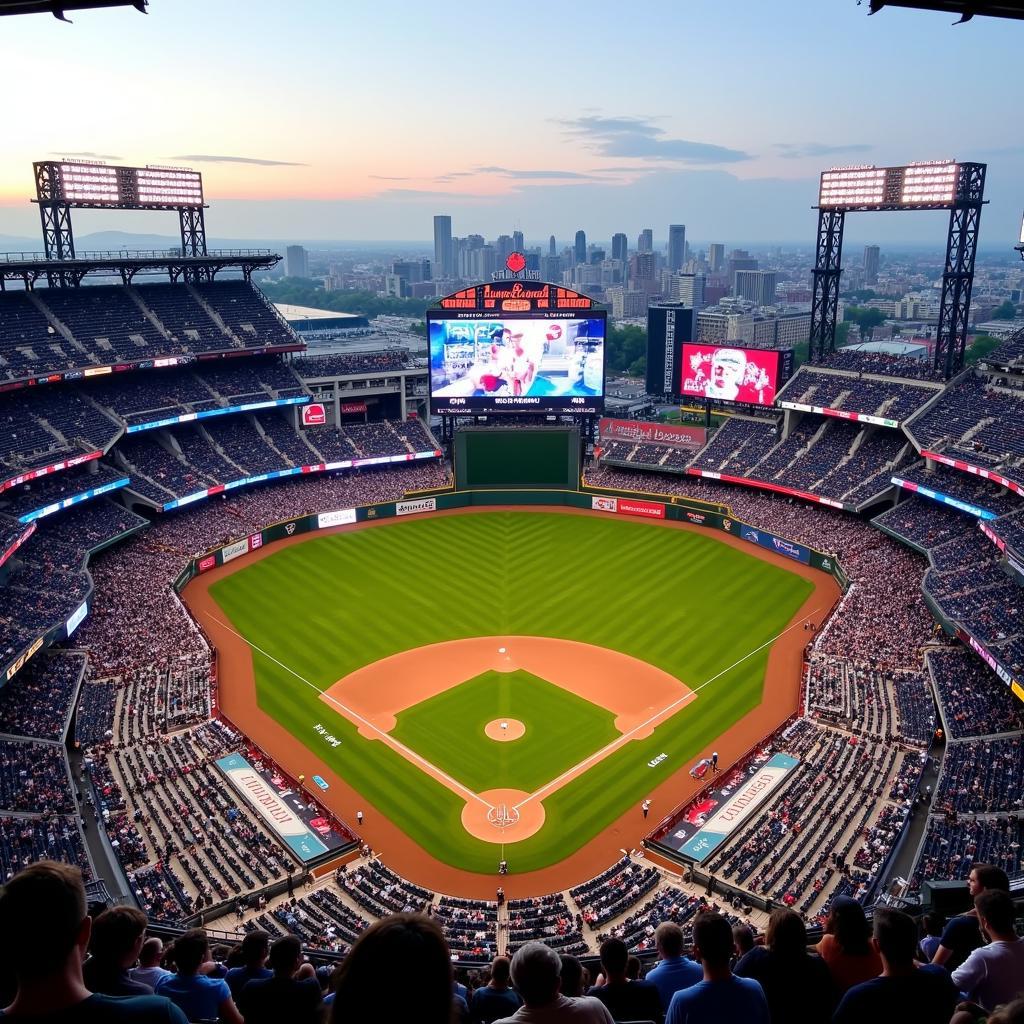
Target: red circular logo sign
516 262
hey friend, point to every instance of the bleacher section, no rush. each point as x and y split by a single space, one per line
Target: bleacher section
889 399
60 329
46 490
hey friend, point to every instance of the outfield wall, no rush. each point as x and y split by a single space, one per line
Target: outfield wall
697 513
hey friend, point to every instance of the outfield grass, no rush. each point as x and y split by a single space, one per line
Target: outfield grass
561 730
682 601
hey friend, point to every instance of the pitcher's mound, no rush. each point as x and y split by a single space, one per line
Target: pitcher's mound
504 729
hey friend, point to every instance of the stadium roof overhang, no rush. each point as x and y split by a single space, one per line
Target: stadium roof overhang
59 8
965 9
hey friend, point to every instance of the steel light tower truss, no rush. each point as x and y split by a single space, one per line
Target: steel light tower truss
930 185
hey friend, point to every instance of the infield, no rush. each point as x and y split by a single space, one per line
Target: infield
698 612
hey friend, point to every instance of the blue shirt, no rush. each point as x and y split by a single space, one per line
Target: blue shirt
926 994
100 1009
199 996
713 1002
238 977
672 974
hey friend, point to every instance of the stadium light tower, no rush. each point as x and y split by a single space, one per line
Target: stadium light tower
926 185
1020 245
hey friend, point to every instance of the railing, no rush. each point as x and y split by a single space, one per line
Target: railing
135 254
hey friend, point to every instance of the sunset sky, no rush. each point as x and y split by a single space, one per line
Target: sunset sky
353 120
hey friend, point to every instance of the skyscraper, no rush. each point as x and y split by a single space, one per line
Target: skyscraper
518 244
619 246
552 249
716 257
871 253
296 262
645 241
676 247
442 247
580 248
757 286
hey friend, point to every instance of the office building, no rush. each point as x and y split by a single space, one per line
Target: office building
645 240
716 257
676 247
296 261
580 247
641 270
552 249
443 268
871 254
739 259
551 268
619 247
757 286
626 302
669 326
687 289
518 242
719 324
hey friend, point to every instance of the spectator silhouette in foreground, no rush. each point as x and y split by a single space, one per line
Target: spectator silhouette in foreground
368 988
496 998
625 999
292 993
149 971
905 991
44 933
255 948
962 935
797 985
201 997
994 974
846 945
537 975
115 944
572 976
674 971
720 996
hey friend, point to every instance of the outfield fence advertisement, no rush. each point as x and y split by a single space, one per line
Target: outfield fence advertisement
628 506
710 819
778 544
301 826
640 431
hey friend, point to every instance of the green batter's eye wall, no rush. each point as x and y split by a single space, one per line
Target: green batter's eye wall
513 457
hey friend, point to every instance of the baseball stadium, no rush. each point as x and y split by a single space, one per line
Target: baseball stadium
301 639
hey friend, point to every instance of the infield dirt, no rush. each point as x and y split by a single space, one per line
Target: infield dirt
236 697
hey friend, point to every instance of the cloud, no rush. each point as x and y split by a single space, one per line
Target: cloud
796 150
506 172
420 193
87 155
638 137
207 158
388 177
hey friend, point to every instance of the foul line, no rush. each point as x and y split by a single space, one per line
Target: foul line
604 751
350 714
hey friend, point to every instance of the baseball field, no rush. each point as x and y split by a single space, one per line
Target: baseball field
507 682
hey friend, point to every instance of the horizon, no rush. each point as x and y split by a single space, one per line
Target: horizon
374 126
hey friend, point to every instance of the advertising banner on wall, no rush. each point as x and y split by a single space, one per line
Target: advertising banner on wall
307 833
777 544
340 517
710 820
639 431
231 551
411 508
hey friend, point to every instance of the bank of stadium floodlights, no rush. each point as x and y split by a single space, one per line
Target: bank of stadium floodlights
64 185
927 185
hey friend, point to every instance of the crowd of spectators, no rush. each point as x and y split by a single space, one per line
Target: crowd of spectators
890 399
858 360
614 891
548 919
39 703
975 701
341 364
982 776
926 524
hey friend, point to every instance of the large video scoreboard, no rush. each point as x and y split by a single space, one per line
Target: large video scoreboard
516 346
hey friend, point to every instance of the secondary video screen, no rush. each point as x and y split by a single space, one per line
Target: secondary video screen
728 374
510 364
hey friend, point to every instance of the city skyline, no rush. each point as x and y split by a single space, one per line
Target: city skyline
349 145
